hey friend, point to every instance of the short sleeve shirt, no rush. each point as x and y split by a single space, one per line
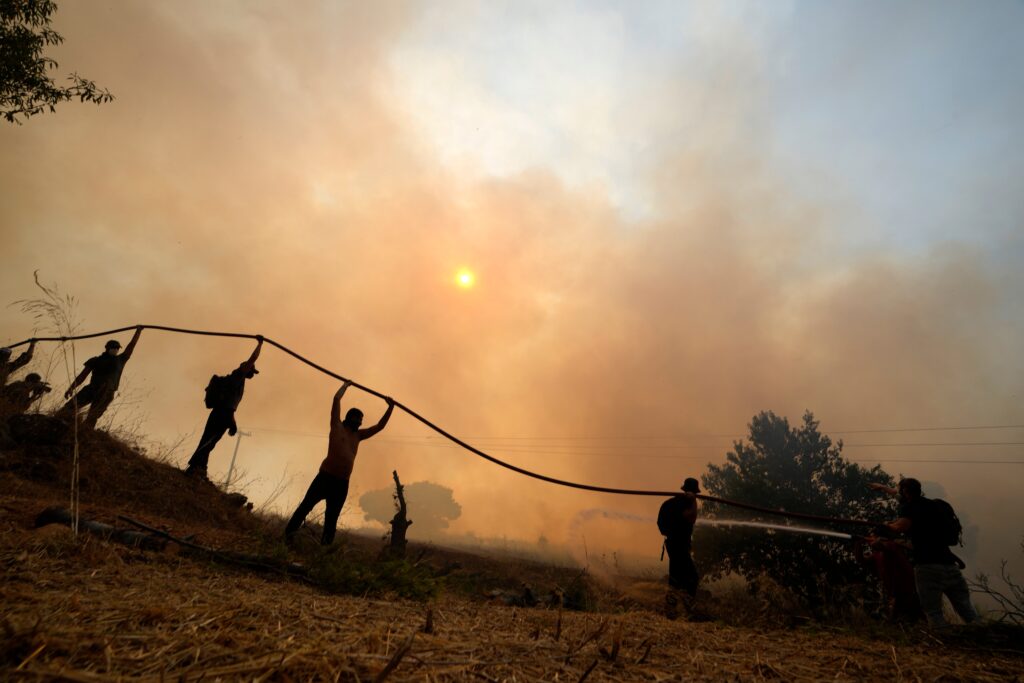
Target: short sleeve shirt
18 396
106 371
925 538
236 387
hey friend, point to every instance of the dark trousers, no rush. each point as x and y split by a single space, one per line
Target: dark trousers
98 401
682 573
324 487
220 421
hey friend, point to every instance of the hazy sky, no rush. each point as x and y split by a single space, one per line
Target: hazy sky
678 214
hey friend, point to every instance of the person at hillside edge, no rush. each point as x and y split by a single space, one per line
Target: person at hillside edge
937 571
223 395
17 397
331 482
676 519
8 366
105 370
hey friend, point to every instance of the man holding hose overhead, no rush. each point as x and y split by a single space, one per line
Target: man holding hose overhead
223 394
104 374
331 482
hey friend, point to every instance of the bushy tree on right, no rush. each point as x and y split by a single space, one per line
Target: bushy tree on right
795 468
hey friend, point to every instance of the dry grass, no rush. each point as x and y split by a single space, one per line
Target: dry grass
81 609
89 611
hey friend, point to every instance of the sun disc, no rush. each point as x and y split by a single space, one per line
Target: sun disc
464 278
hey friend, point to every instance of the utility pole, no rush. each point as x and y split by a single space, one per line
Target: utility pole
231 467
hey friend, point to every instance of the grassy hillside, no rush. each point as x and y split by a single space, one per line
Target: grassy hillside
88 609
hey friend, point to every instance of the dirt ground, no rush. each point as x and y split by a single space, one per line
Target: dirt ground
87 609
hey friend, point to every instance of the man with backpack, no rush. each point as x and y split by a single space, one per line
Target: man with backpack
933 527
223 394
676 518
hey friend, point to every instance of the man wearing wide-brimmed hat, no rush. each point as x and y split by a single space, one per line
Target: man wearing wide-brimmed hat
676 518
105 370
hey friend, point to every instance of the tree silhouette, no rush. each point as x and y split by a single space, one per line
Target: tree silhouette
430 504
796 469
26 87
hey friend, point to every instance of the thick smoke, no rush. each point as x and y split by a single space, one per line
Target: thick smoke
257 173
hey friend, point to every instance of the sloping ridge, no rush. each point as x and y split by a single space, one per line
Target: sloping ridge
39 449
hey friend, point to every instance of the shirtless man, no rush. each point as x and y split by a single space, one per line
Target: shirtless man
331 482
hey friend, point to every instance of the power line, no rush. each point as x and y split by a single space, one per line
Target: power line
432 442
712 435
427 440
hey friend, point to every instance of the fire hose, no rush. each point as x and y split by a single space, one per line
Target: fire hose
454 439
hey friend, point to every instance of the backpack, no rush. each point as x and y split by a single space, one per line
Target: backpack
217 391
665 525
945 522
670 520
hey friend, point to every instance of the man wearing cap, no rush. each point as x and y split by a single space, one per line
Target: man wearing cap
223 396
105 370
676 518
17 397
7 366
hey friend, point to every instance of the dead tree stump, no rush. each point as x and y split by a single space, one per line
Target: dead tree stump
400 522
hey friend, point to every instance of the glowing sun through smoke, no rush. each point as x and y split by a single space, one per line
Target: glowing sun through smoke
465 278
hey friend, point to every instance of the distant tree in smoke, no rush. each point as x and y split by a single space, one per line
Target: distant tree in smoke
26 87
431 507
797 469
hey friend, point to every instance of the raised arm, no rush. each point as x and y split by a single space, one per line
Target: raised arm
131 345
256 351
24 358
370 431
882 488
901 525
336 403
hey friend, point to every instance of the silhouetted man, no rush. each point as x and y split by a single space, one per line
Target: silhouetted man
105 371
8 366
17 397
936 568
222 396
676 518
331 482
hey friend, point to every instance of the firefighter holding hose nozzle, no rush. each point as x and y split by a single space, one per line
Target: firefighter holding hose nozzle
676 519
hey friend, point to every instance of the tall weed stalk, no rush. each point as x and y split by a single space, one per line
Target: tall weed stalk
54 314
